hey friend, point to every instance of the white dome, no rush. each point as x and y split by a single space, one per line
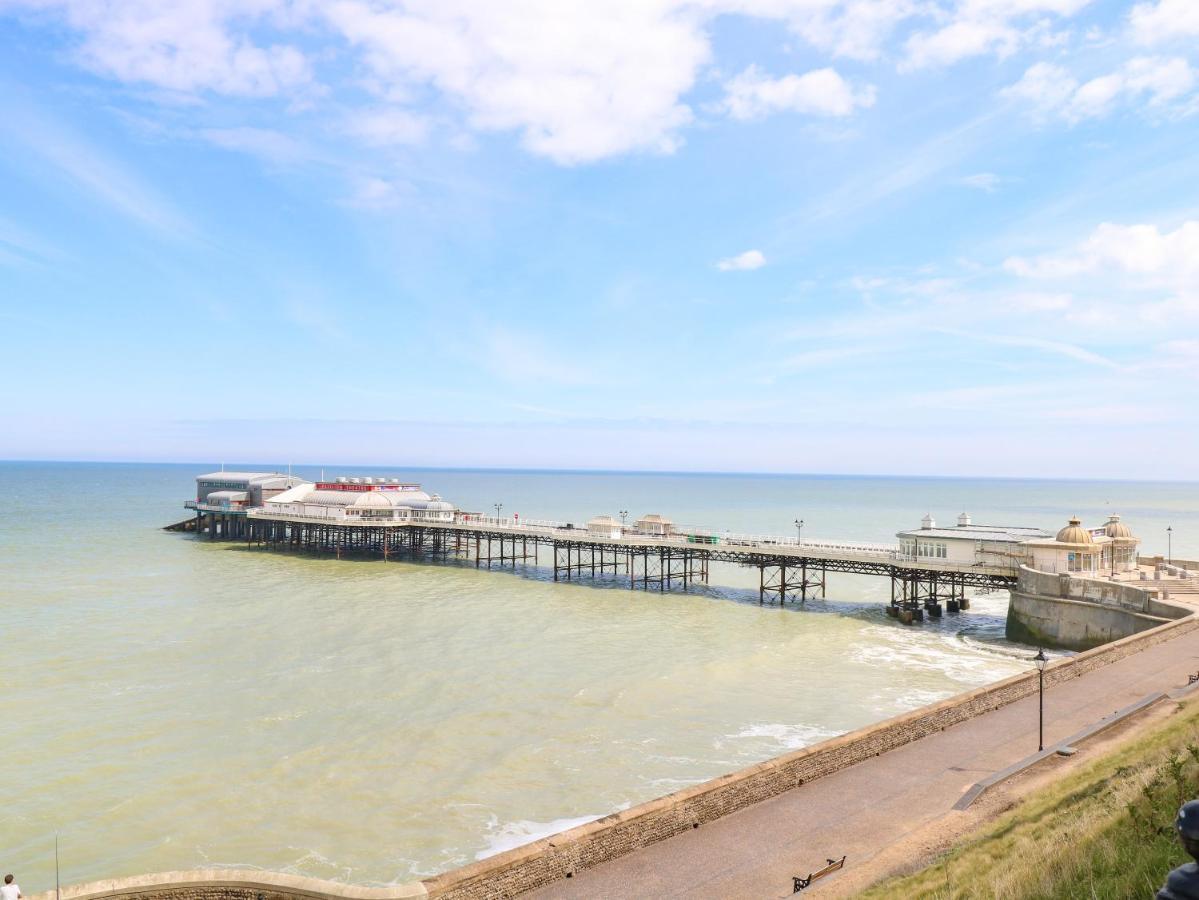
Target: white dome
371 500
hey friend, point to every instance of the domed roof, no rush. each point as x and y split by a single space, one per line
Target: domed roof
1074 533
1116 529
371 500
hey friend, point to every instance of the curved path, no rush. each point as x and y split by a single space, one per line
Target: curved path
863 809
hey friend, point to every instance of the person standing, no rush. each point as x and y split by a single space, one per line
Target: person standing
1183 882
10 890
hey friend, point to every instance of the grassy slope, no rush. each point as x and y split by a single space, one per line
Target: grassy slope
1105 831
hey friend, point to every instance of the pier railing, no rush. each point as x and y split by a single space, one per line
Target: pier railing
684 534
680 536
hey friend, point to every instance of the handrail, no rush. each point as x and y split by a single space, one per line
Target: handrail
692 538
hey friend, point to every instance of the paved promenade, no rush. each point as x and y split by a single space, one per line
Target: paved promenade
863 809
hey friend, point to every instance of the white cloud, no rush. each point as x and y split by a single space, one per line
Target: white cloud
1045 87
1141 269
183 46
753 95
589 81
1143 250
979 27
959 40
585 81
1148 84
856 29
743 262
376 193
1166 20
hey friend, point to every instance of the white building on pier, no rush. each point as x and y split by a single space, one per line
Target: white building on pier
1110 548
363 499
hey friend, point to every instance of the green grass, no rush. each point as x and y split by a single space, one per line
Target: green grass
1104 832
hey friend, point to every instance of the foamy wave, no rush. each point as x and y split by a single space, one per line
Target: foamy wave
897 650
517 834
792 737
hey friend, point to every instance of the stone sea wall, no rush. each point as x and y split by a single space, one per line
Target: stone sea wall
560 856
1065 611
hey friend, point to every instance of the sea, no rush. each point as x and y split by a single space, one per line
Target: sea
167 702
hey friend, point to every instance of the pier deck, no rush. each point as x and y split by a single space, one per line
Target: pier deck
789 569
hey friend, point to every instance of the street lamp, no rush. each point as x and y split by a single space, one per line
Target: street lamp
1170 544
624 514
1040 659
498 507
799 531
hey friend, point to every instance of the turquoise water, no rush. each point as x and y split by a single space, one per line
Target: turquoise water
171 703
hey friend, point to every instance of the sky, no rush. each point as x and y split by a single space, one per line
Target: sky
941 237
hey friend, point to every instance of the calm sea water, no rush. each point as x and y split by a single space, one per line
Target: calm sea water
170 703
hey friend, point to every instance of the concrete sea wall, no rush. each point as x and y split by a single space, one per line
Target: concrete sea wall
560 856
1072 613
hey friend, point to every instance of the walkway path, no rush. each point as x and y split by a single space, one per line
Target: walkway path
863 809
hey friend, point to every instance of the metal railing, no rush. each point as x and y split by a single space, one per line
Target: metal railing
679 536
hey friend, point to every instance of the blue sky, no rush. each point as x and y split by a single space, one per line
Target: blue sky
887 236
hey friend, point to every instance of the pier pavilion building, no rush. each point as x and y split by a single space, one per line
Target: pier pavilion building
377 500
1110 548
223 498
997 545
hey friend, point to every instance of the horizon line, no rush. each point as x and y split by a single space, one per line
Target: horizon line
599 471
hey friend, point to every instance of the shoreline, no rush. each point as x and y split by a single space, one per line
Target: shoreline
558 857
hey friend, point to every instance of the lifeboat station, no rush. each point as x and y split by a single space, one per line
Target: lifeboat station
224 498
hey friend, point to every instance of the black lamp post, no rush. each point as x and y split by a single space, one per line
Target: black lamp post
1170 544
498 507
1040 659
799 531
624 514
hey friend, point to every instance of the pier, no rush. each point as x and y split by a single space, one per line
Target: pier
930 568
788 569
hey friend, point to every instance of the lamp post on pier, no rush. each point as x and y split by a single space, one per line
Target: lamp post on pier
1170 544
1040 659
498 507
624 514
799 531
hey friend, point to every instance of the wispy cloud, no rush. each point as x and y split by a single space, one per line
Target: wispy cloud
898 174
104 179
18 246
1044 345
987 182
265 143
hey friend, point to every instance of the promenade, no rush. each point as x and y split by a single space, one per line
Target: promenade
862 810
